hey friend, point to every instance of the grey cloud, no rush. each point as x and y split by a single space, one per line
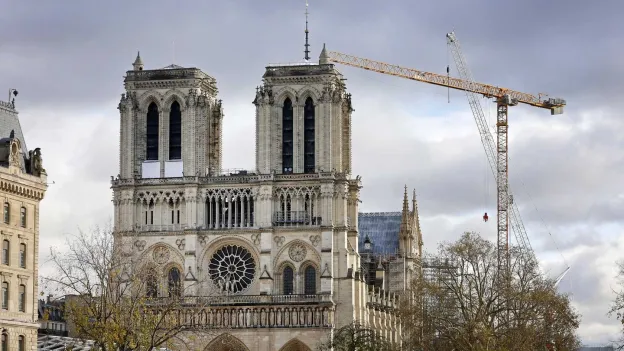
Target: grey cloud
70 58
75 43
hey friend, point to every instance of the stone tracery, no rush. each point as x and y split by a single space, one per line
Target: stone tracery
229 207
232 269
297 205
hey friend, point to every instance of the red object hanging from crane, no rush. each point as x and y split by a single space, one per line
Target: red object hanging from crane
485 217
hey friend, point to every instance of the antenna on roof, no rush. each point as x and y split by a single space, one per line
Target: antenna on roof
307 46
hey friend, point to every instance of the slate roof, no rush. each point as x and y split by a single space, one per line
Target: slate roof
383 230
9 121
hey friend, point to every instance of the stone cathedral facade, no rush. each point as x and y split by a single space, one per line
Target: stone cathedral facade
274 250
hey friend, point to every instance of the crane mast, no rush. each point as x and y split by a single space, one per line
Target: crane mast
508 211
504 99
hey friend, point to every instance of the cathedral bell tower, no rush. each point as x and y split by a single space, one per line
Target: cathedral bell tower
303 119
170 123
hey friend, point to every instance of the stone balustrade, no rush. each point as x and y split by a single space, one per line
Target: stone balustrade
251 311
246 300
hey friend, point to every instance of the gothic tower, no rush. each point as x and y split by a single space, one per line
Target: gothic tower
303 116
170 123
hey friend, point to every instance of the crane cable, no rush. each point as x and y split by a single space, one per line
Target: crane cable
486 169
448 73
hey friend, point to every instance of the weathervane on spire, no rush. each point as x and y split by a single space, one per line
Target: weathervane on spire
307 46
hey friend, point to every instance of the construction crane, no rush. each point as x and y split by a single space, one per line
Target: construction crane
490 150
488 142
504 99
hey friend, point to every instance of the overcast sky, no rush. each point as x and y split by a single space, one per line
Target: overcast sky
68 58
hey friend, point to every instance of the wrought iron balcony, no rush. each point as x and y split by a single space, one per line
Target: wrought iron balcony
294 219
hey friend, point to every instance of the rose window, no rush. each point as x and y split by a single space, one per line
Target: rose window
232 268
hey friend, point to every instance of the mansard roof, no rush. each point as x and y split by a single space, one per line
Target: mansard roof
10 128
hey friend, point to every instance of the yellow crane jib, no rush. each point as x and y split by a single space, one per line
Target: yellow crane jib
555 105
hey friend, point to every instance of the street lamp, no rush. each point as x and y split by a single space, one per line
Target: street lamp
14 92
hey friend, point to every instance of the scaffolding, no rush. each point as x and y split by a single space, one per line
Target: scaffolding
439 273
395 267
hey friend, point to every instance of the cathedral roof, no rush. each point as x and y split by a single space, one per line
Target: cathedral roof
172 66
382 228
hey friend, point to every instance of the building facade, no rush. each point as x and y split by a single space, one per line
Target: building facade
22 187
276 249
51 316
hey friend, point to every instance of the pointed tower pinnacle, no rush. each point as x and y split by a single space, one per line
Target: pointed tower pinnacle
405 202
405 230
417 223
323 57
138 63
307 46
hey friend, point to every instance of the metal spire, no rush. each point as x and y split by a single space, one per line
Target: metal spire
307 46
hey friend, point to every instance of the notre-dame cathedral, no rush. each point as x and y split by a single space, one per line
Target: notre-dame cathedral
281 253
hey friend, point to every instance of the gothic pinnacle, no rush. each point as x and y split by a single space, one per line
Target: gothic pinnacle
323 57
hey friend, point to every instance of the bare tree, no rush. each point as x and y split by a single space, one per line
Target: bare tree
355 337
471 305
108 297
617 307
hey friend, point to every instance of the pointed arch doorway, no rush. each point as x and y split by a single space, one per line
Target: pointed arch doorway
226 342
295 345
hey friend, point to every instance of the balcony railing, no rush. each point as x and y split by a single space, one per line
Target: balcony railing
294 219
250 311
298 299
159 227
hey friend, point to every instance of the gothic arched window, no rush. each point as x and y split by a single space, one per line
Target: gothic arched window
175 288
287 137
175 132
152 133
151 284
308 136
310 280
288 280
